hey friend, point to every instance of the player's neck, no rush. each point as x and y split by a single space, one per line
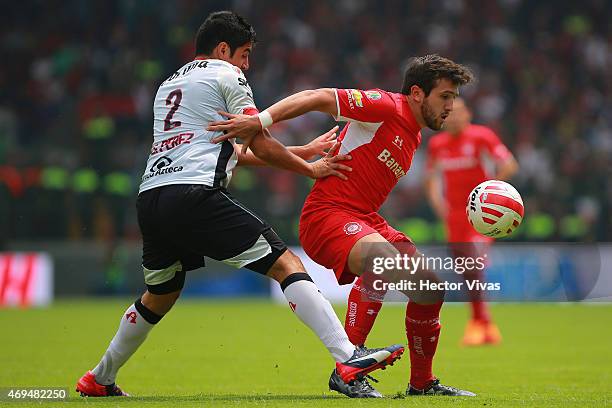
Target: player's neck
214 55
416 112
458 132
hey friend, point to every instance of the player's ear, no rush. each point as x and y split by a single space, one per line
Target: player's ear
417 93
223 50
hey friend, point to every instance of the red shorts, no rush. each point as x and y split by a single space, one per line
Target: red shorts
328 235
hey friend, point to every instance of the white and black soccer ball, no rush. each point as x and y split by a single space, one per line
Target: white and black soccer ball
495 208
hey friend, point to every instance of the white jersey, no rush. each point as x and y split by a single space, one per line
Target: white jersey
182 152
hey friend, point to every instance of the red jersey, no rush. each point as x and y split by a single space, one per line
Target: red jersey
459 158
381 136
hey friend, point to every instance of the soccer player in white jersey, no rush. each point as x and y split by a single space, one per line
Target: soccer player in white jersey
185 212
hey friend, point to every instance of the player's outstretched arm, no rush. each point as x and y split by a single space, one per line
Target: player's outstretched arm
507 169
271 151
247 127
317 147
433 189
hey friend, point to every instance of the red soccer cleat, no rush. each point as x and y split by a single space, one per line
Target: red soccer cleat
492 334
474 334
479 333
366 360
88 387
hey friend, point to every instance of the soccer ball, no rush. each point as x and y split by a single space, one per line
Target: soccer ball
495 208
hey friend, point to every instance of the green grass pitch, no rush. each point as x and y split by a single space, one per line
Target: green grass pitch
254 353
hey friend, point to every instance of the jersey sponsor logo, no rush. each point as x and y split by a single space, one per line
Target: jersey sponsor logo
243 82
393 165
292 306
349 99
373 95
417 342
467 149
171 143
131 317
354 98
352 228
458 163
352 314
398 141
163 165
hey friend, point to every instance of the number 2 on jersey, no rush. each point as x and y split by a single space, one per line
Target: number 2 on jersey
174 99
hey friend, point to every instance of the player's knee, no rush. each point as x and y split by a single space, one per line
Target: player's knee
288 263
159 304
380 256
428 297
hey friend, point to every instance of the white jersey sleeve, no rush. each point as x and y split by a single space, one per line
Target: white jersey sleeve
236 91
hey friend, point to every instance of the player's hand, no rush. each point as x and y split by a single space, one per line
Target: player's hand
246 127
329 165
321 145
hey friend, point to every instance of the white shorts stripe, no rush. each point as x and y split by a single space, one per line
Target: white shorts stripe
260 249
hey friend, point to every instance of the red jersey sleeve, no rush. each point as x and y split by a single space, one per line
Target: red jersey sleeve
372 106
494 147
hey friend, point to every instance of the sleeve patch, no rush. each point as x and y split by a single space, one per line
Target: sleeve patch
354 98
373 95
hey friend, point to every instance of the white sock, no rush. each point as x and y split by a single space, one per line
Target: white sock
132 332
316 312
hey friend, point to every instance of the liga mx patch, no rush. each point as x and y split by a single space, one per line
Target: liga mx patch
352 228
373 95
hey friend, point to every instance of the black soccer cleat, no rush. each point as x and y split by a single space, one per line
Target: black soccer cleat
358 388
435 388
366 360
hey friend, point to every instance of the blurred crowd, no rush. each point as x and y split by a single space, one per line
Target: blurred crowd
78 79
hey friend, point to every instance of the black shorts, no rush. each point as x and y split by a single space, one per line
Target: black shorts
183 223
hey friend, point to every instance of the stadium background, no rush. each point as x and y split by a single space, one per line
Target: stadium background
78 79
76 86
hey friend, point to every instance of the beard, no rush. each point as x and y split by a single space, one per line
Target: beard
429 117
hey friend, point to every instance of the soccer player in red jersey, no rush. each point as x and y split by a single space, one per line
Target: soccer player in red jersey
455 158
340 227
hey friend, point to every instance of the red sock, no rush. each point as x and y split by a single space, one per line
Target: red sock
363 307
477 299
480 311
423 331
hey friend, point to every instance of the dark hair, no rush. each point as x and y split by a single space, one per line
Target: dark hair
425 72
223 26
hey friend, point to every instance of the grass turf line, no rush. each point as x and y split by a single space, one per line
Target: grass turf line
254 353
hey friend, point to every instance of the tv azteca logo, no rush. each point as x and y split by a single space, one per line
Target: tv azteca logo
162 166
